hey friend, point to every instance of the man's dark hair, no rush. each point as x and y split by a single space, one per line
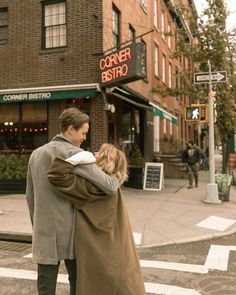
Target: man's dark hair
72 116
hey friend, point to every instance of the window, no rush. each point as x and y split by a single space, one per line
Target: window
131 33
155 21
169 35
115 27
164 68
164 126
170 75
54 27
156 60
162 24
3 23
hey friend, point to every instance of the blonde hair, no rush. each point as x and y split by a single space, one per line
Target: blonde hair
112 161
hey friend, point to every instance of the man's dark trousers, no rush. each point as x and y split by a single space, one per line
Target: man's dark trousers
47 277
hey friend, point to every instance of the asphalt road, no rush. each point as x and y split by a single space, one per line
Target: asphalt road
183 269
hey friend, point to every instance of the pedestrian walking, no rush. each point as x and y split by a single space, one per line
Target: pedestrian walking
52 217
107 261
192 157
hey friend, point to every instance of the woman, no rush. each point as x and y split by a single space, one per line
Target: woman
107 261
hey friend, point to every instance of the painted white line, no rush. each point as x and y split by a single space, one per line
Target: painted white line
137 238
149 287
168 290
26 274
216 223
194 268
28 256
218 257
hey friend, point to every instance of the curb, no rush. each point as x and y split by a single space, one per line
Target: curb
16 237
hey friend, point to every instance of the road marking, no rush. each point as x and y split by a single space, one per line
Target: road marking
194 268
218 257
149 287
168 290
216 223
137 238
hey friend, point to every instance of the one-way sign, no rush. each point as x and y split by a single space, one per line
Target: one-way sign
204 77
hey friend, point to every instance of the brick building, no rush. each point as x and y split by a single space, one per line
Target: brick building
49 57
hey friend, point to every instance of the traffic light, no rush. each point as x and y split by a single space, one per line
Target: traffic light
197 113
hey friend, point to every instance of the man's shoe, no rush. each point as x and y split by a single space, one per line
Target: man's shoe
190 186
196 185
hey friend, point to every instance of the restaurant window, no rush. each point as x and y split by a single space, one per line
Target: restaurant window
54 24
131 128
3 23
23 126
115 27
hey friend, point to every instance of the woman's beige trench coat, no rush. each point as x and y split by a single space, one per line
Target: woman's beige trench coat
107 262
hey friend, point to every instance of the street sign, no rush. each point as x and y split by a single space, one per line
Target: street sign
204 77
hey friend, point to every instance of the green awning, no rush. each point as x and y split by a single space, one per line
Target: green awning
163 114
46 95
131 95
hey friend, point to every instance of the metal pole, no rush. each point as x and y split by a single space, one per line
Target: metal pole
212 187
211 129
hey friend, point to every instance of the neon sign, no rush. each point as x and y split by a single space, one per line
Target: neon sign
124 65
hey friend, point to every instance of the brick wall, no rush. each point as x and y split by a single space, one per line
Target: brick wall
25 64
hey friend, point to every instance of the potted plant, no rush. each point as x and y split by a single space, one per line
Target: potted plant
13 169
136 165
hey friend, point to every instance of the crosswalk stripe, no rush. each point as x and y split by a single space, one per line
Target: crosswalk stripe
168 290
194 268
63 278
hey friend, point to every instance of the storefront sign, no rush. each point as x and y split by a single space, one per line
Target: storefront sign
124 65
52 95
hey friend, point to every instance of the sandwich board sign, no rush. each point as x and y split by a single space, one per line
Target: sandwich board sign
153 176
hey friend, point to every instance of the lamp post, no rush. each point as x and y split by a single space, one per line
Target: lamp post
212 187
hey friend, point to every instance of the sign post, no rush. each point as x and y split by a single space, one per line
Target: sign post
212 187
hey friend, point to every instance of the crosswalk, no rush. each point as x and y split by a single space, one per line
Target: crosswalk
217 259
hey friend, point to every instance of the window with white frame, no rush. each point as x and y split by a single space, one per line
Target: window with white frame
3 23
155 17
169 35
115 26
162 24
54 24
163 68
156 59
170 75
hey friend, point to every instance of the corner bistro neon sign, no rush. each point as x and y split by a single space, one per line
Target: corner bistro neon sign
124 65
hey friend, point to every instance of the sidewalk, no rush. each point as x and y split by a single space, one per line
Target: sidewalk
159 218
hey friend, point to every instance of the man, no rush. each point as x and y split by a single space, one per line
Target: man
192 156
51 215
